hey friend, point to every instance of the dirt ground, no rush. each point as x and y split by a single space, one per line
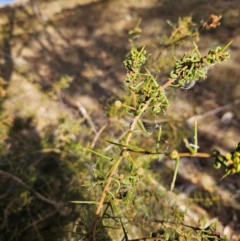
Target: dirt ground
59 58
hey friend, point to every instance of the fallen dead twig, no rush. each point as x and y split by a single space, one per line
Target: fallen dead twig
58 206
86 116
39 220
98 135
212 112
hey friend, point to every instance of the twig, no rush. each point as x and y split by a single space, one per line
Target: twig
37 194
86 116
34 224
198 154
117 140
213 111
39 220
167 84
135 120
45 150
98 135
149 239
177 161
114 168
5 222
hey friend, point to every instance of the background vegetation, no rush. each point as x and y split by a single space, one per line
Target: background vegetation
61 73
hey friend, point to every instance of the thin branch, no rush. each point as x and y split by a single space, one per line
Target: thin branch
86 116
148 239
39 220
135 120
198 154
5 222
45 150
114 168
167 84
37 194
34 224
98 135
213 111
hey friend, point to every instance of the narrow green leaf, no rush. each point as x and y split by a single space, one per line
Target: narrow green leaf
132 147
225 47
99 154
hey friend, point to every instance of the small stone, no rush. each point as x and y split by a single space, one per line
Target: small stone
227 118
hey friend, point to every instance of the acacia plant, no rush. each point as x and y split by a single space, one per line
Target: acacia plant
119 173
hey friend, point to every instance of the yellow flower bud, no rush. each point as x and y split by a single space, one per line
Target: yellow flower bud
174 154
118 103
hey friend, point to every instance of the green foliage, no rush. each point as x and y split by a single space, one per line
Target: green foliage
44 173
121 172
38 180
177 230
231 161
189 69
143 85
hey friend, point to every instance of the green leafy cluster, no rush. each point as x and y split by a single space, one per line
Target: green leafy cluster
143 85
190 69
181 231
127 183
133 64
123 184
231 161
172 226
183 29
